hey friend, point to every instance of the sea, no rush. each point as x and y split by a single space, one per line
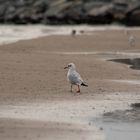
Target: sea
14 33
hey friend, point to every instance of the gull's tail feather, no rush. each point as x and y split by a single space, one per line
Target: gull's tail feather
83 84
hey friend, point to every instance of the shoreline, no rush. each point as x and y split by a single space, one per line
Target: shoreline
13 33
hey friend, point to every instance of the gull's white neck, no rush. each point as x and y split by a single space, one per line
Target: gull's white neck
72 69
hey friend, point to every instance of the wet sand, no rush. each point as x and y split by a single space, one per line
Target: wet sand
35 102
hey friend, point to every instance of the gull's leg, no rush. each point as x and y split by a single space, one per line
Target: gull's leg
78 91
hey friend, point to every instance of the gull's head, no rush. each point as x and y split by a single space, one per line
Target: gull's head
70 66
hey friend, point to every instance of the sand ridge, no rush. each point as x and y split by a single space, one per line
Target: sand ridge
33 85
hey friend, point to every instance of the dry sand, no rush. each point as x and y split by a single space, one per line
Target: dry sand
35 102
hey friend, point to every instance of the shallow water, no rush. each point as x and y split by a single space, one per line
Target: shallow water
133 63
121 130
121 124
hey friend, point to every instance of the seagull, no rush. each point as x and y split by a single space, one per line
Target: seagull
131 40
73 32
74 77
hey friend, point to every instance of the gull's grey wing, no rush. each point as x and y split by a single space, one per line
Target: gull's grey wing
75 78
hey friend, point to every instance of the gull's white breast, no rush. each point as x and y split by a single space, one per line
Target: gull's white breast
74 77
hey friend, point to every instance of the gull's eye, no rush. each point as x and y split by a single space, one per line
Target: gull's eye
69 65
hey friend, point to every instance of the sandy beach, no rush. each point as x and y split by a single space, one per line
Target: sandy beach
35 98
